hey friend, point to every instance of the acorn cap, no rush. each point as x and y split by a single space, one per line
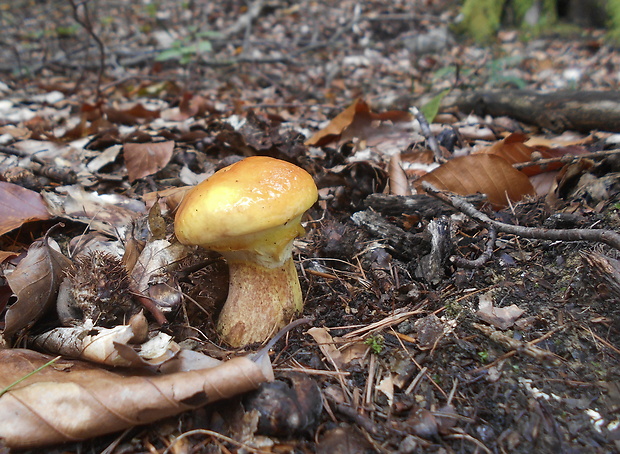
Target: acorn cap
241 203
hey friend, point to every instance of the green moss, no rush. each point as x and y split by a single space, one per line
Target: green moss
613 11
481 18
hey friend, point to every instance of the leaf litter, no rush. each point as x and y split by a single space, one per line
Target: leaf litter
407 359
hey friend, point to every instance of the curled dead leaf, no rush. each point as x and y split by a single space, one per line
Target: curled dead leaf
357 120
35 282
500 317
72 400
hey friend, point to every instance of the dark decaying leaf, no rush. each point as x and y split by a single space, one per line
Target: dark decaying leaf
287 407
144 159
35 282
484 173
19 205
343 440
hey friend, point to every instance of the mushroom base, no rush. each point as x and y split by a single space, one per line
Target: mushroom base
261 300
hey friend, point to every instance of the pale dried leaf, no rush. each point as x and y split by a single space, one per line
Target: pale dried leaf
110 346
325 342
18 206
500 317
187 360
35 282
155 261
399 184
72 401
107 213
143 159
106 157
386 386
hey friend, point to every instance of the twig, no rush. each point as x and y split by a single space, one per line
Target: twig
430 137
523 347
607 237
215 435
85 22
483 258
567 159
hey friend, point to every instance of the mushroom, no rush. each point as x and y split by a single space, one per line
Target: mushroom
250 212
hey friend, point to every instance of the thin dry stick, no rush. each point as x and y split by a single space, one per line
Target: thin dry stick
608 237
430 137
566 159
86 23
216 435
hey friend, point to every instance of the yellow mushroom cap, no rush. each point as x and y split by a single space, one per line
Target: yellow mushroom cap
243 202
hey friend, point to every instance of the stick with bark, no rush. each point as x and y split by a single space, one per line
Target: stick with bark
608 237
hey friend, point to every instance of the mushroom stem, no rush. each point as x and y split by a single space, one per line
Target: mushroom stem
261 300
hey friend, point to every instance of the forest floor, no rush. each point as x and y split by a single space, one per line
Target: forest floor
518 354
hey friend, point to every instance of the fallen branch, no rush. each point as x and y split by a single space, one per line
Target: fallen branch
557 111
567 159
607 237
520 346
483 258
430 137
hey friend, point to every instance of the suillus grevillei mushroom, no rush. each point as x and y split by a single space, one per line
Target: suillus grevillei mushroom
250 212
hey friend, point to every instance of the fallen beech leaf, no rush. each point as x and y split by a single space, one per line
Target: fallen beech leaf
35 281
144 159
484 173
72 400
514 150
18 206
500 317
356 121
130 116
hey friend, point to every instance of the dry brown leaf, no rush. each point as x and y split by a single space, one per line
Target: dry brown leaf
355 121
72 400
35 281
484 173
514 150
144 159
19 205
500 317
169 198
130 116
